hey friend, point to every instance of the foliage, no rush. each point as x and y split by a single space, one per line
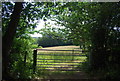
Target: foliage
95 26
20 49
28 21
74 18
52 37
21 44
34 46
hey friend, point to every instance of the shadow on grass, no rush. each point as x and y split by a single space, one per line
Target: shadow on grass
61 74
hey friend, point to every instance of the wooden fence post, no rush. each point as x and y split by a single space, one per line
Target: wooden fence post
34 60
25 58
72 54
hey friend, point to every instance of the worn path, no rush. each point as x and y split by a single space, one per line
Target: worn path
76 75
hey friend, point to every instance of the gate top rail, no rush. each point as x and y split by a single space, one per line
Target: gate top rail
55 50
61 50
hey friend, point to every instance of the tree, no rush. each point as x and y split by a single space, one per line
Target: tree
19 25
8 38
52 36
92 24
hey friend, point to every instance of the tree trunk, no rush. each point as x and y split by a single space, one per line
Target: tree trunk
8 38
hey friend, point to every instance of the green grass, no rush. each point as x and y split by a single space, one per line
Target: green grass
47 59
53 59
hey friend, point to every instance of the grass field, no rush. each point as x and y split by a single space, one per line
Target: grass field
60 60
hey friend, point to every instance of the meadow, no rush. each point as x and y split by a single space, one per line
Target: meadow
60 58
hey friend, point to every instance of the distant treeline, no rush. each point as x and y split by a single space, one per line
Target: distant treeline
48 41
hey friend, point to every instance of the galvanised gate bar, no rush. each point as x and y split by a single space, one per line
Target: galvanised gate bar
58 60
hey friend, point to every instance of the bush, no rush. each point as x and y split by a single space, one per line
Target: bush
34 46
21 68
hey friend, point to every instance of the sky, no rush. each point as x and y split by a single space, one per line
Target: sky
41 24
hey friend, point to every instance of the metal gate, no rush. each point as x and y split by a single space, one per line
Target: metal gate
58 60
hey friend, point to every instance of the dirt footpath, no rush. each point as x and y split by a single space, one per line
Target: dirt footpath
77 75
